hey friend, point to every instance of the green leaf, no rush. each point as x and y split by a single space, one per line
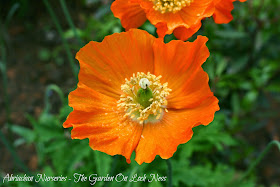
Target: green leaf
28 134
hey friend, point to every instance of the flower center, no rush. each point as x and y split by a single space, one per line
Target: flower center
165 6
144 97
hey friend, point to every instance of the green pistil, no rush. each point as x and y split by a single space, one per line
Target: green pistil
143 97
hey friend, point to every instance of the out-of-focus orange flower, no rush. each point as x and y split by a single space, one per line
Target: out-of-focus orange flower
181 17
136 93
222 14
223 10
167 15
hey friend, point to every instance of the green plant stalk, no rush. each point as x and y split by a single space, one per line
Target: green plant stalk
133 172
3 69
113 168
59 28
15 156
13 153
11 13
56 89
70 22
169 172
265 151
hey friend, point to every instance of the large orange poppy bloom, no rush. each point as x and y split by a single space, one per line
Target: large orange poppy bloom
167 15
136 93
182 20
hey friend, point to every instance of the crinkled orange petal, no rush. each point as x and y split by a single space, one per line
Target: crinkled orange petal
97 118
180 63
104 66
130 13
182 33
223 10
192 92
85 99
174 128
162 29
186 17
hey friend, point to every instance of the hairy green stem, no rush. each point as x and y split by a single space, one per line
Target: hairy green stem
65 44
169 172
70 22
265 151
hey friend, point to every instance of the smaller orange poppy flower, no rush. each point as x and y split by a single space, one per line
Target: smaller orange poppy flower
222 15
180 17
168 16
136 93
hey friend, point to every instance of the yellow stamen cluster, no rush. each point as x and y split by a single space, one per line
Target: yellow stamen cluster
128 101
165 6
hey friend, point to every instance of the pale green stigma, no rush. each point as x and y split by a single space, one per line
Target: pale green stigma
144 94
144 97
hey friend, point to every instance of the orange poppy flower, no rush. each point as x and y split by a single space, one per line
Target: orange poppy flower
168 16
181 20
136 93
222 14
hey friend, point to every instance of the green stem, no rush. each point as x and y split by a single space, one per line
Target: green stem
133 172
169 172
265 151
15 156
13 153
11 13
113 168
3 69
70 22
56 89
65 44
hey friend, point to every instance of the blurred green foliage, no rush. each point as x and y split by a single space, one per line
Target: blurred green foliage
244 75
